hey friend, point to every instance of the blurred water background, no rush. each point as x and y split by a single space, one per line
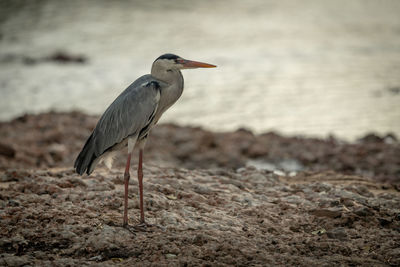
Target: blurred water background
298 67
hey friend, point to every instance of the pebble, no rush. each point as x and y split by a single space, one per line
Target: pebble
96 258
203 190
170 256
337 233
363 211
11 260
330 213
294 199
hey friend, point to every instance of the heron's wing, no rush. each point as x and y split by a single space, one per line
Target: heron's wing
132 111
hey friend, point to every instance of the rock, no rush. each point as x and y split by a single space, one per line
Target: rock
13 203
65 234
262 165
322 187
319 232
199 240
291 165
294 199
11 260
361 190
169 218
96 258
337 233
371 138
363 211
256 177
384 222
330 213
104 241
13 175
170 256
7 150
279 173
64 57
203 190
347 202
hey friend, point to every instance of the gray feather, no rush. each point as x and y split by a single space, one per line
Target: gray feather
132 111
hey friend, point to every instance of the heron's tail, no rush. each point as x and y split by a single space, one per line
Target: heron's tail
86 160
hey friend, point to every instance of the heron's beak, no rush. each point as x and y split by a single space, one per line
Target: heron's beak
189 64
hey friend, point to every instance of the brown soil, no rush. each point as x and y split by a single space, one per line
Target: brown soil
306 201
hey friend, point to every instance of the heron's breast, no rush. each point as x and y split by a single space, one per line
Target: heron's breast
168 97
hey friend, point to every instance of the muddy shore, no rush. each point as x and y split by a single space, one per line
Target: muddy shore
218 199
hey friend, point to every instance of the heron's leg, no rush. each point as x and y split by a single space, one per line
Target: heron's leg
126 177
140 180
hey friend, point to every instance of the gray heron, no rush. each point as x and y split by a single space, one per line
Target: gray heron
128 120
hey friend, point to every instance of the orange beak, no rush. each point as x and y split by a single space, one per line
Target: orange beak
189 64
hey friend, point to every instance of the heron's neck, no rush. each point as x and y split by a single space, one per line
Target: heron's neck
171 93
170 76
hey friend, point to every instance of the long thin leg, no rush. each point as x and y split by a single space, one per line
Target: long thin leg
126 177
140 179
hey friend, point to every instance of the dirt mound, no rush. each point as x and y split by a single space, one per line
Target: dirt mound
55 139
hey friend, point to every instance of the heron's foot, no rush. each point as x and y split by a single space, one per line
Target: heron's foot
143 227
130 228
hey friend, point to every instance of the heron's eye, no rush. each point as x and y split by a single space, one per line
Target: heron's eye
179 61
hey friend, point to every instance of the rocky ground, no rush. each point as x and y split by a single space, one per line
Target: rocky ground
217 199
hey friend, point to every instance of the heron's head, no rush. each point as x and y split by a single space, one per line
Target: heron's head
171 61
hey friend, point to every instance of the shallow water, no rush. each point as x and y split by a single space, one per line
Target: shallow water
298 67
